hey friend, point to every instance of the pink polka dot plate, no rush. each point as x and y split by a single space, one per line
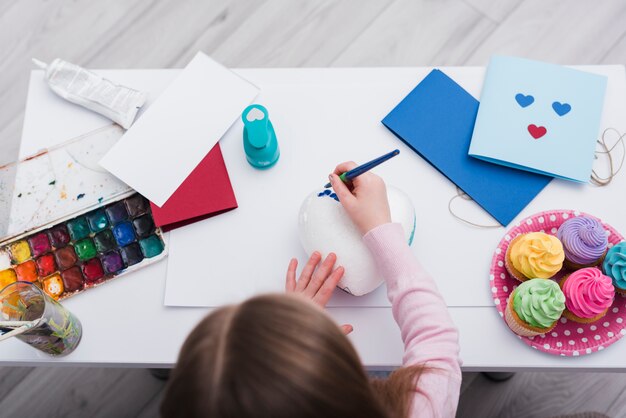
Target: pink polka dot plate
568 338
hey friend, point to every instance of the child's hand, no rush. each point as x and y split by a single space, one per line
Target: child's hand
317 281
367 203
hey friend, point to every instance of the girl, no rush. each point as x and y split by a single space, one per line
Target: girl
283 356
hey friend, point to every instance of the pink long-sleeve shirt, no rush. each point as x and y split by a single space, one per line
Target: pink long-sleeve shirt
429 335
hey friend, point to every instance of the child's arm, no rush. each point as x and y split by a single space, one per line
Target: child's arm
428 333
429 336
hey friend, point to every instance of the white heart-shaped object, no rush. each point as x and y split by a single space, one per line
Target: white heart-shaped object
255 114
324 226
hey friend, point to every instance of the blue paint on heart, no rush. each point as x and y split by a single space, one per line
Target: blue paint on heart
328 193
324 193
561 109
524 101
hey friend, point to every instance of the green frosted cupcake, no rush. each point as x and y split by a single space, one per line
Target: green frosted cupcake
534 307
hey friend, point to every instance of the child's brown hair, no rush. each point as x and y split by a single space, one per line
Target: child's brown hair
278 356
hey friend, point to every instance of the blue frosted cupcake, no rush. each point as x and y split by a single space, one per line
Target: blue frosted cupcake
614 266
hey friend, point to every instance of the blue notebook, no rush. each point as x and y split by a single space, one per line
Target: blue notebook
436 120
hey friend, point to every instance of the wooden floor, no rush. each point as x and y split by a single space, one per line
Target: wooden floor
270 33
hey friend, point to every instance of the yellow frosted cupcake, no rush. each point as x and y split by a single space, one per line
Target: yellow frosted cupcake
534 255
534 307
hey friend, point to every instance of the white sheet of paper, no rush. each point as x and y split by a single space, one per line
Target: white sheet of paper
187 120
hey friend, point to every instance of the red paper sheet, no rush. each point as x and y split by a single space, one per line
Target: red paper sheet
205 192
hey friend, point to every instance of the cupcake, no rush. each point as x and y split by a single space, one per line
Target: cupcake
588 295
584 242
614 266
534 307
534 255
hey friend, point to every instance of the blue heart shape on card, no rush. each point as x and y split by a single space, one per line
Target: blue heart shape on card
561 109
524 100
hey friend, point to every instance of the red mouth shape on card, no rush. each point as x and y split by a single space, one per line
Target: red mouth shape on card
536 131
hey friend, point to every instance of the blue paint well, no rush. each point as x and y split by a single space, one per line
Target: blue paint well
123 233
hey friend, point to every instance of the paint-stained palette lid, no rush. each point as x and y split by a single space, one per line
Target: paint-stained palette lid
58 181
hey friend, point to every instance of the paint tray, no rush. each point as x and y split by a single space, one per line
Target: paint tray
69 225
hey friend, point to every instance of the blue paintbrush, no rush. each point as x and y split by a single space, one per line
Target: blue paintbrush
357 171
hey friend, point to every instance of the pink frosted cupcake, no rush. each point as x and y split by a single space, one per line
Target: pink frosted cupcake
588 295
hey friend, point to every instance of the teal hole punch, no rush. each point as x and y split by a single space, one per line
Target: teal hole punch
259 139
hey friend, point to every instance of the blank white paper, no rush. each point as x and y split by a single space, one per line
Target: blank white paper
170 139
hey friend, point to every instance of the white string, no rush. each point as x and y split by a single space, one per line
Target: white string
461 194
596 180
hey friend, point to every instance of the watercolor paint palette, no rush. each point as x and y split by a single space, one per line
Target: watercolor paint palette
84 250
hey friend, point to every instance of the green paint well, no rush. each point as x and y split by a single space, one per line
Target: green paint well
85 249
78 228
151 246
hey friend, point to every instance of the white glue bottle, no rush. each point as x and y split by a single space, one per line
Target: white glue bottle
85 88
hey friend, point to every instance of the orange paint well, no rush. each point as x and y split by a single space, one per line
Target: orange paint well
26 272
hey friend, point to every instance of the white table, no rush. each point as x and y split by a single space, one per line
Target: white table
126 324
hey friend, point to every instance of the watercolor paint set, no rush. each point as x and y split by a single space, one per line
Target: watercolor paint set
85 250
68 225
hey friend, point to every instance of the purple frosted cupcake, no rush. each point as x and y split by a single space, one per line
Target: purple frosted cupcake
585 242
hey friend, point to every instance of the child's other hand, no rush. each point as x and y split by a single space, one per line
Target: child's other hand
366 203
317 281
